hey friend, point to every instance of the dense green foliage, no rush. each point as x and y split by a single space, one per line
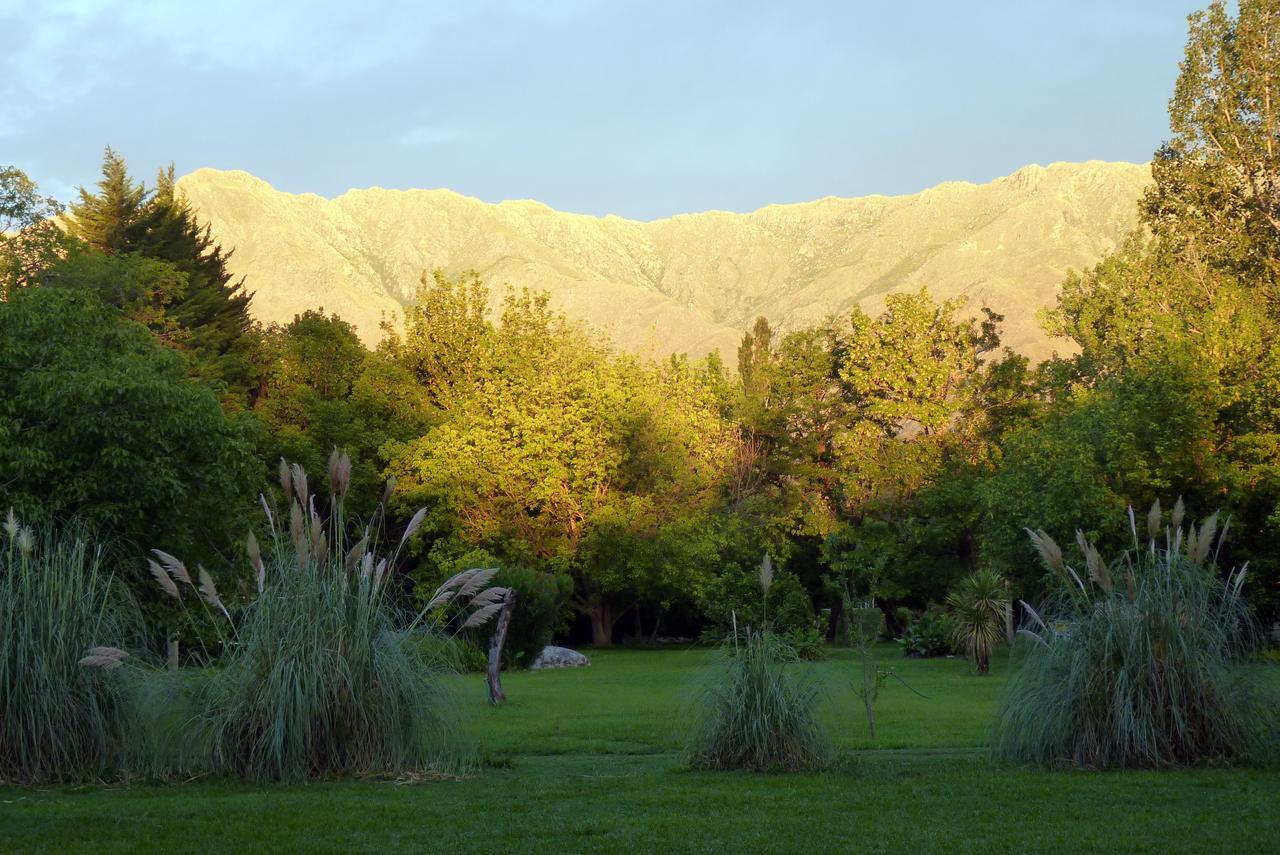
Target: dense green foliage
99 421
555 454
204 310
320 388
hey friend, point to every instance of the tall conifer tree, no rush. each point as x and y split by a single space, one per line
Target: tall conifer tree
212 310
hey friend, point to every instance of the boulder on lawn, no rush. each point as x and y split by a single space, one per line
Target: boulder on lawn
559 657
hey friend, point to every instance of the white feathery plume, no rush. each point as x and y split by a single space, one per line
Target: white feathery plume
163 578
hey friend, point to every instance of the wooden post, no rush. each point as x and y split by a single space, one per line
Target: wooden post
496 695
172 662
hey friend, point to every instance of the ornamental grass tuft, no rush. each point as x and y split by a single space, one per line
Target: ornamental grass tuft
60 721
322 673
755 712
1144 661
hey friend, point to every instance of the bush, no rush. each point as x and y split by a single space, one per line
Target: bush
538 615
809 643
928 634
786 608
1138 663
453 653
100 422
59 721
755 714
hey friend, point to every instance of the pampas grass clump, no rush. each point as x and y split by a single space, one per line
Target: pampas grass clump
323 674
59 720
1140 662
756 714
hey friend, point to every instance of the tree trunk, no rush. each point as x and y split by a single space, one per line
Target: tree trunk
1009 635
869 688
657 624
602 621
496 695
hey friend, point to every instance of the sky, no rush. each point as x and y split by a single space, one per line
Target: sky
640 109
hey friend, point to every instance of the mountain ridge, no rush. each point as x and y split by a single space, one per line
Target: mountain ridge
688 282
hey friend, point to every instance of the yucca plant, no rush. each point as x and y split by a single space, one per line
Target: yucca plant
321 676
980 607
1140 662
59 721
755 713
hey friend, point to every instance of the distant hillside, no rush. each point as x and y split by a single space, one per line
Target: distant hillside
692 282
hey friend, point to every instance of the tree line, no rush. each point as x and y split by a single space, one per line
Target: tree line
875 459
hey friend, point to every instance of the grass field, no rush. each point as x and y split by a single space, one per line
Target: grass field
588 760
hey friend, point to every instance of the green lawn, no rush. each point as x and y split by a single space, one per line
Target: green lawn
588 760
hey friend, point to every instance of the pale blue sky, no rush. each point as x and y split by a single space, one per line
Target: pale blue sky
642 109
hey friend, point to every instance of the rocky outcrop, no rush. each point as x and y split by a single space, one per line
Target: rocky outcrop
691 283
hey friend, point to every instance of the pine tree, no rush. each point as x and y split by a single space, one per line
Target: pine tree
109 220
215 309
212 310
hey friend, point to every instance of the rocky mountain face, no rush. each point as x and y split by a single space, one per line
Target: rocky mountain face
691 283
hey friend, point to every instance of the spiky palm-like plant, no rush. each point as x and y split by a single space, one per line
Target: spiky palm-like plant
980 606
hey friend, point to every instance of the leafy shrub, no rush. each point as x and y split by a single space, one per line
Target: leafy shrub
59 721
980 607
539 611
928 634
786 608
1137 663
538 615
809 643
453 652
755 714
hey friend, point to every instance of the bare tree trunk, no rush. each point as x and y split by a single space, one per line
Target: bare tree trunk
657 624
602 622
173 655
496 695
869 688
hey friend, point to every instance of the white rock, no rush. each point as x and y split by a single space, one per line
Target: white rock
559 657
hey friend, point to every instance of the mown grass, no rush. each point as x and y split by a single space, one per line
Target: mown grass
588 760
636 702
